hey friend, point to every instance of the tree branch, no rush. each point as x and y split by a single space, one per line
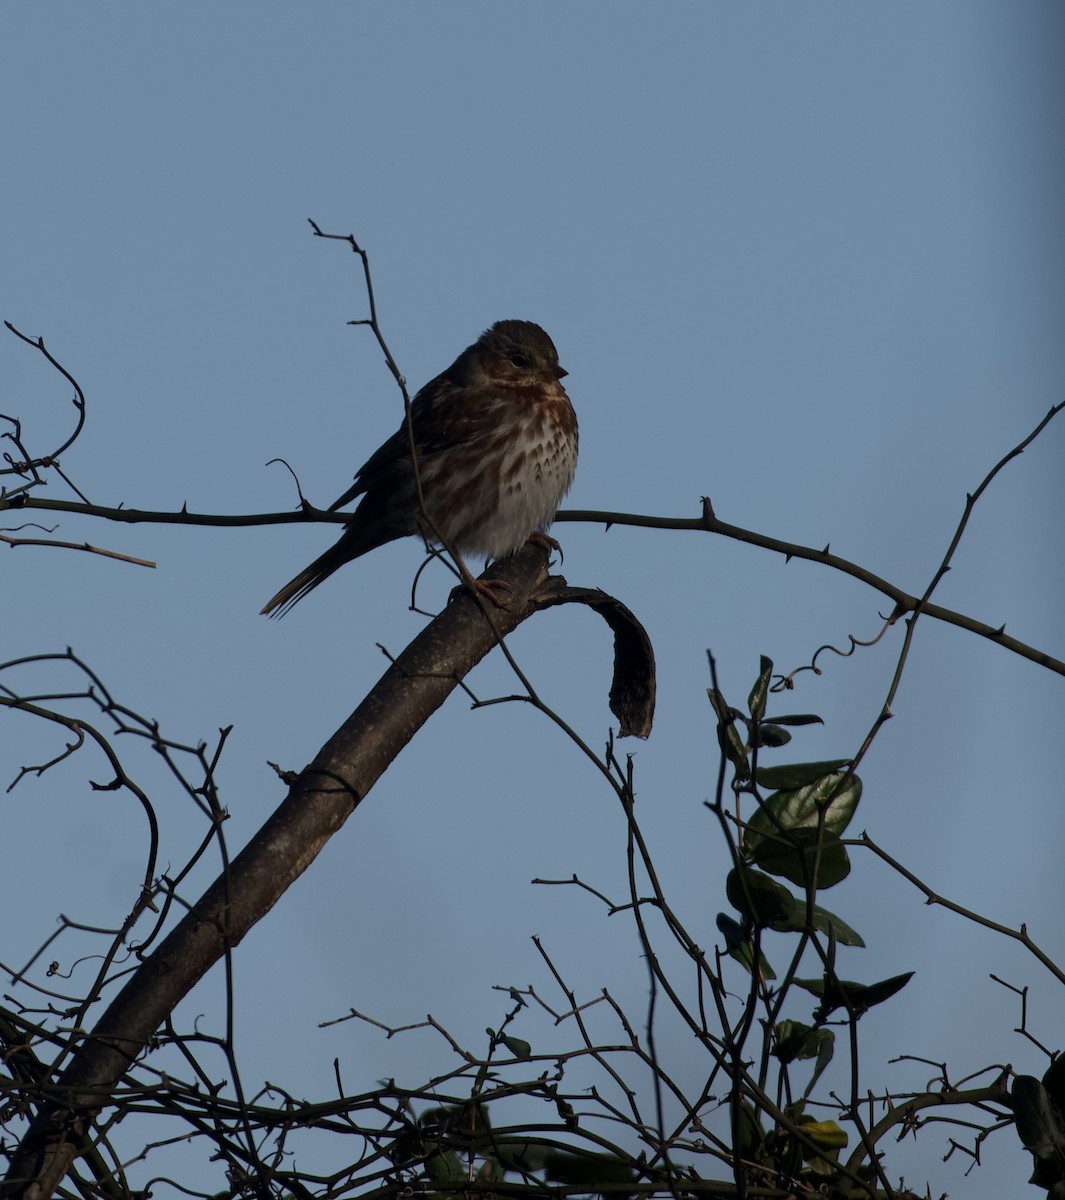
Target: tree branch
903 601
320 800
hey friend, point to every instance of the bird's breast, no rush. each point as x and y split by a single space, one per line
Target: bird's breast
507 482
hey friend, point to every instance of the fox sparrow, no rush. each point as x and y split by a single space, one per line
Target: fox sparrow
495 449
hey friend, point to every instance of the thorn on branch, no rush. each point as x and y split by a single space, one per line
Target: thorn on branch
287 777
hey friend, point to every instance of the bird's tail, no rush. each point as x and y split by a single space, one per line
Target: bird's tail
372 524
306 581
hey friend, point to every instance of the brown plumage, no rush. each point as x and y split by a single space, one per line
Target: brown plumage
496 448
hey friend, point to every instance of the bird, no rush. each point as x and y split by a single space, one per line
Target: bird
494 452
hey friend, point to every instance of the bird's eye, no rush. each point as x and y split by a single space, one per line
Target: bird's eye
519 360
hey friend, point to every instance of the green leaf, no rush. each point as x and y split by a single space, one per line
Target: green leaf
792 1040
489 1171
781 837
1039 1126
825 1049
771 736
750 1138
517 1155
445 1166
1054 1081
587 1170
787 1036
797 775
877 993
757 897
462 1123
827 1136
799 719
756 700
732 930
1038 1121
821 1168
797 808
814 986
732 745
517 1047
839 993
824 921
744 955
803 858
739 946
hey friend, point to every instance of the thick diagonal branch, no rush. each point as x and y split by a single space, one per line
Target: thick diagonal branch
319 802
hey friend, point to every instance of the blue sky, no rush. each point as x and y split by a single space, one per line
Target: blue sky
804 259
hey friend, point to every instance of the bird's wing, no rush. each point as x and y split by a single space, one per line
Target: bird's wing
433 413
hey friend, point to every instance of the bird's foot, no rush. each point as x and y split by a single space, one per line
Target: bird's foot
545 541
488 589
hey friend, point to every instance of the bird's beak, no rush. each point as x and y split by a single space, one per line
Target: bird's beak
561 373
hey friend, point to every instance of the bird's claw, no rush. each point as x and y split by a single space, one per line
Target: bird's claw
488 588
546 542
